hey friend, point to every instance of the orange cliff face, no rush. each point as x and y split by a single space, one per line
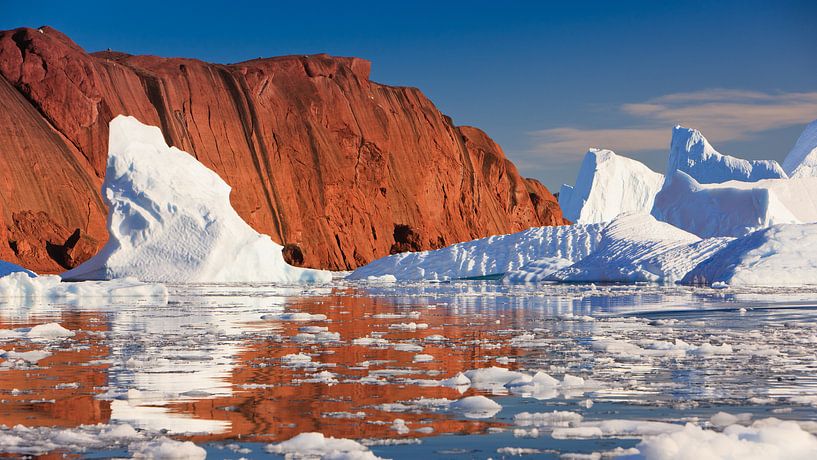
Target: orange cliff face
342 169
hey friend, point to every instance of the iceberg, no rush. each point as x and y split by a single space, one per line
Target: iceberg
735 208
638 248
170 220
782 255
692 154
609 185
802 159
491 256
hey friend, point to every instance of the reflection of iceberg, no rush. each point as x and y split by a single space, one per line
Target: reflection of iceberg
182 353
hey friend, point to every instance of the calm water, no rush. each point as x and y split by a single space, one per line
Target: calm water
229 368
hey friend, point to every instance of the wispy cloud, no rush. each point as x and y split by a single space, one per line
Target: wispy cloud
722 114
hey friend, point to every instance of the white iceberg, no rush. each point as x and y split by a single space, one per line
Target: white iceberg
783 255
609 185
692 154
637 248
491 256
802 159
735 208
170 220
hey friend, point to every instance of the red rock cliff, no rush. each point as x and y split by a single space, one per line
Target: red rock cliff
341 169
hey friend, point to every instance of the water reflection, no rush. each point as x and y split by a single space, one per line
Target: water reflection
220 362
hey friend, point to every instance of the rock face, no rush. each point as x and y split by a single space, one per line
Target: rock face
332 165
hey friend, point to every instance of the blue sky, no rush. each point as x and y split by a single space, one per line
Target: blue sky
545 79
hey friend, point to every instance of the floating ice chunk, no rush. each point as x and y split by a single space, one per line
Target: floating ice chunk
170 220
409 326
48 331
476 407
764 440
399 425
164 448
295 316
548 419
421 358
582 432
492 378
458 380
316 445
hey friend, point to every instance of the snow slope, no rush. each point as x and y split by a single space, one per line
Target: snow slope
494 255
609 185
170 220
637 248
735 208
802 159
691 153
782 255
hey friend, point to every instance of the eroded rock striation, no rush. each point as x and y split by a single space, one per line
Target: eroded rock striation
335 167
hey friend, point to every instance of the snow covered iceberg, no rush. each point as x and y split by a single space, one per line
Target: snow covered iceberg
802 159
609 185
692 154
638 248
735 208
170 220
491 256
782 255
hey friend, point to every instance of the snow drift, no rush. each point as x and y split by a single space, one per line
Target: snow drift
782 255
692 154
609 185
735 208
494 255
170 220
802 159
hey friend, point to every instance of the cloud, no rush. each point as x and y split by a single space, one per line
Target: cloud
723 115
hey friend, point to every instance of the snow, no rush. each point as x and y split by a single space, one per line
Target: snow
636 248
782 255
20 288
494 255
692 154
735 208
609 185
170 220
802 159
316 445
768 439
